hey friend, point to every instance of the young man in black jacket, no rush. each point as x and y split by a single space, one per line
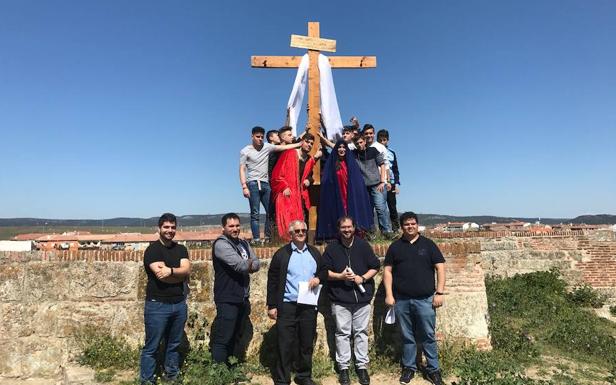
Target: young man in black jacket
291 264
234 261
351 266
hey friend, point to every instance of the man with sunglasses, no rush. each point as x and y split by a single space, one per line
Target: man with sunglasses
295 322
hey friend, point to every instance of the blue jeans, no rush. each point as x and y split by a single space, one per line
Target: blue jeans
379 202
417 319
162 320
256 198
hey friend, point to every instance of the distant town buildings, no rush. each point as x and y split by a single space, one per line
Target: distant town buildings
456 227
120 241
202 238
515 226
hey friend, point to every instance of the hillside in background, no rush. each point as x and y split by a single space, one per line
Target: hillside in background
214 219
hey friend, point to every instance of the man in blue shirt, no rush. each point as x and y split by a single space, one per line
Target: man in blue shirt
296 323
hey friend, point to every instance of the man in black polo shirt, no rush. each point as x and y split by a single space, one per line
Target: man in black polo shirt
167 266
234 261
408 277
351 265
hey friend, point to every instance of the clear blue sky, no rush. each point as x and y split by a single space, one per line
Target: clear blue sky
132 108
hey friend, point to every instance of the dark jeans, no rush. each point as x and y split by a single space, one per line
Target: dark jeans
258 197
296 325
162 320
393 211
417 319
227 327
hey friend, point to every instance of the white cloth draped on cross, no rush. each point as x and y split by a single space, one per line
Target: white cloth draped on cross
329 103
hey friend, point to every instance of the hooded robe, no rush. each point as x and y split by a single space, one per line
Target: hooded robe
334 190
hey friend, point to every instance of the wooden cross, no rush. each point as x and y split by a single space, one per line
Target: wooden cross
314 44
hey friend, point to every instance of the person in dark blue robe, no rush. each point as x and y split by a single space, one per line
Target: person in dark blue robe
343 192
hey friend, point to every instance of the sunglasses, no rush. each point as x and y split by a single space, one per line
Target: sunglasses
300 231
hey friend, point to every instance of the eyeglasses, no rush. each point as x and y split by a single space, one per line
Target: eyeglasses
300 231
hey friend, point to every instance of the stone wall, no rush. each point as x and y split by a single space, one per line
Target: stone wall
46 297
585 258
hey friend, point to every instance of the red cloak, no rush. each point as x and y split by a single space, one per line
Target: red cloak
286 175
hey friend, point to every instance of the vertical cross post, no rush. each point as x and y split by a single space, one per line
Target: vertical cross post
314 108
314 44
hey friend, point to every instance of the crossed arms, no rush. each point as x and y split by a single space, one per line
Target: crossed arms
164 273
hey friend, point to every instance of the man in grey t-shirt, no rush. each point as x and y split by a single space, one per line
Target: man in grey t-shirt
254 177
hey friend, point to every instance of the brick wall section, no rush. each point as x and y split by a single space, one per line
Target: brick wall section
599 268
262 252
583 258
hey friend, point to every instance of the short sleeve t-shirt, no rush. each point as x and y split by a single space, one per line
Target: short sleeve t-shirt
256 161
171 256
413 267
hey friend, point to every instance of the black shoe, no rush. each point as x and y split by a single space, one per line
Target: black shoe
170 380
407 375
343 377
363 376
435 378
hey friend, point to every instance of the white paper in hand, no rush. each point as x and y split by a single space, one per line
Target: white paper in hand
308 296
390 317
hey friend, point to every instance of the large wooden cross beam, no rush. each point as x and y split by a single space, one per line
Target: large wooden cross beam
314 44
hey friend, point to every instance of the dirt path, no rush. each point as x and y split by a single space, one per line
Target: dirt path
377 379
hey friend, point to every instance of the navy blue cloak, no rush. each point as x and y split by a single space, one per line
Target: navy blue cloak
331 207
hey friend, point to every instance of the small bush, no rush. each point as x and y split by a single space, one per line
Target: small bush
613 310
100 350
201 370
586 296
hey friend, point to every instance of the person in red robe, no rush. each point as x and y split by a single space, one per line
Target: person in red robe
290 192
